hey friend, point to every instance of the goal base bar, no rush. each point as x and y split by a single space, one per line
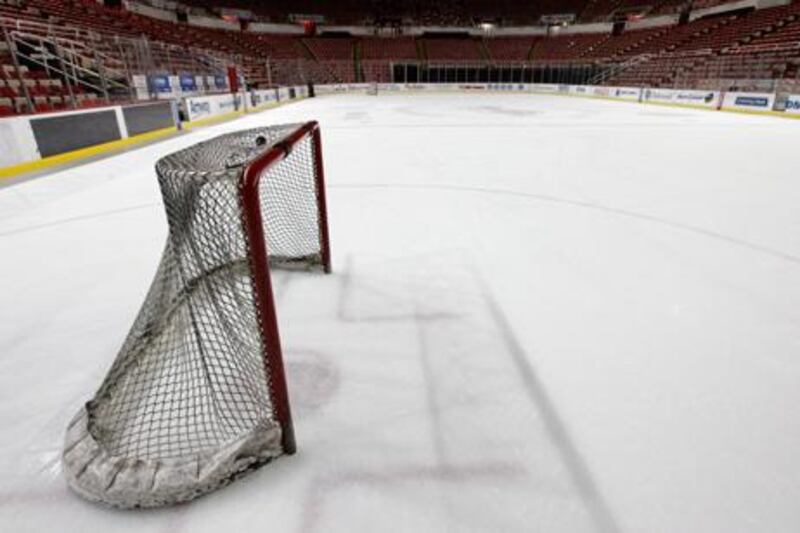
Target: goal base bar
125 483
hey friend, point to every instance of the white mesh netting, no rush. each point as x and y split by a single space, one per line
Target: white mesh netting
188 405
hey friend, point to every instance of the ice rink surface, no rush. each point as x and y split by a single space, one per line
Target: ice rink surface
546 314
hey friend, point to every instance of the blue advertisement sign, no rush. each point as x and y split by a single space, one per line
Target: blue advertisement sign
188 83
752 101
160 84
221 82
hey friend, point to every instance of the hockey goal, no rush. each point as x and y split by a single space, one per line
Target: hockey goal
197 394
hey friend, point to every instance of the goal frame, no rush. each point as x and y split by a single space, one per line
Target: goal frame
255 234
184 408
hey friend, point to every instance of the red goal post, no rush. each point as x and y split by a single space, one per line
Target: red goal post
259 262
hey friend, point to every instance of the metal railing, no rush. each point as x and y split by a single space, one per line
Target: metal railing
102 64
612 68
75 62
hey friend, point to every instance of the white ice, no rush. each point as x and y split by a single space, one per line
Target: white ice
547 314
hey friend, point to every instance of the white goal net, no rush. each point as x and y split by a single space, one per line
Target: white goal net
197 393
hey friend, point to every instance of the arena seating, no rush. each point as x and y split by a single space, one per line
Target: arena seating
566 47
336 55
389 48
425 12
762 43
452 49
630 42
510 48
375 55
